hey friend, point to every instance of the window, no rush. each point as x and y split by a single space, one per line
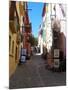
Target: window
21 38
16 22
12 47
16 54
9 42
23 19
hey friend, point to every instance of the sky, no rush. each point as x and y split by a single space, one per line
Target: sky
35 16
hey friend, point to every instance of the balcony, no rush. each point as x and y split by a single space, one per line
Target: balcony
28 27
13 18
12 26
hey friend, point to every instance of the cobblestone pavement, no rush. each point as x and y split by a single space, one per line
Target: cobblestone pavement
34 74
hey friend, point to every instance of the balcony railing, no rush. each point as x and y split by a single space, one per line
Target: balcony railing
28 27
12 26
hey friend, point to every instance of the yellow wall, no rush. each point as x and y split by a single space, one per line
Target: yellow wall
12 62
20 9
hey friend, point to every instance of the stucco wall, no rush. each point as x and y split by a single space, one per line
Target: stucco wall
12 62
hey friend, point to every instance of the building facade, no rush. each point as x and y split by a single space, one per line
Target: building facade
19 33
13 34
27 30
40 39
21 11
54 14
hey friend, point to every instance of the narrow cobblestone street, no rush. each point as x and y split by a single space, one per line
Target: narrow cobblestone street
34 74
